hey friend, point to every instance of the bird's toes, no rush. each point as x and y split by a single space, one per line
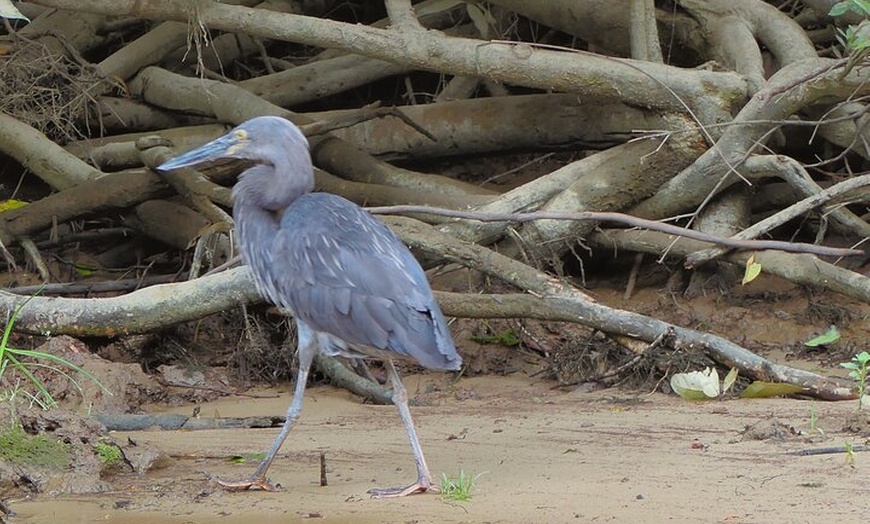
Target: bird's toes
254 483
413 489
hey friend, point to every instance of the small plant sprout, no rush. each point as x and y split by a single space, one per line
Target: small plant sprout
850 455
858 368
108 454
855 39
459 488
861 7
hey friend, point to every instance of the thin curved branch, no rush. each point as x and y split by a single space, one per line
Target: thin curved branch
636 326
813 201
802 269
342 377
730 242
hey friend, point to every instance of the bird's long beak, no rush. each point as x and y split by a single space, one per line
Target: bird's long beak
226 146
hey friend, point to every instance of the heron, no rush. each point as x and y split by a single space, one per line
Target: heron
354 289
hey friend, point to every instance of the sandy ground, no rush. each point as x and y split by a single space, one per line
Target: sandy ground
543 455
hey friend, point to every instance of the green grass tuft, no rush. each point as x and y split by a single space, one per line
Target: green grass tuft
109 454
25 361
458 489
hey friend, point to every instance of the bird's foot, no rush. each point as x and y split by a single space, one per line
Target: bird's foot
421 486
256 483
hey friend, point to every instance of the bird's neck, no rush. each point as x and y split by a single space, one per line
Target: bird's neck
255 229
269 188
260 197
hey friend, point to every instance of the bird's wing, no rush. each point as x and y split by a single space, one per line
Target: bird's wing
345 273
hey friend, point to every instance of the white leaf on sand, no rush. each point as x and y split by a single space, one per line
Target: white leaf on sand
697 385
7 10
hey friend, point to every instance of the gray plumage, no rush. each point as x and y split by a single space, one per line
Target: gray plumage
353 287
348 276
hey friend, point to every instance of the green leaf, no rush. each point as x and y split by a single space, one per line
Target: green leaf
753 269
730 379
9 205
761 389
839 9
861 7
828 337
84 271
508 338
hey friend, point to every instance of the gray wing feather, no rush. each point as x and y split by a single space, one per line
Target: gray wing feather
346 274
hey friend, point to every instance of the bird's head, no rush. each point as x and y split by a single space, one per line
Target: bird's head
279 150
262 140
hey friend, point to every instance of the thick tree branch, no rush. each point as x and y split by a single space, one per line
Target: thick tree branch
634 82
112 191
233 104
788 91
401 15
644 34
44 158
162 305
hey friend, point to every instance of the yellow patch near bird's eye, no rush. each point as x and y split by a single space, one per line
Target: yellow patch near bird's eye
241 137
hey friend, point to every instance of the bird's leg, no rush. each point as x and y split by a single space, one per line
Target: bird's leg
307 349
424 479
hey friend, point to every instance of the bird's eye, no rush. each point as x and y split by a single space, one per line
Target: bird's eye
241 134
